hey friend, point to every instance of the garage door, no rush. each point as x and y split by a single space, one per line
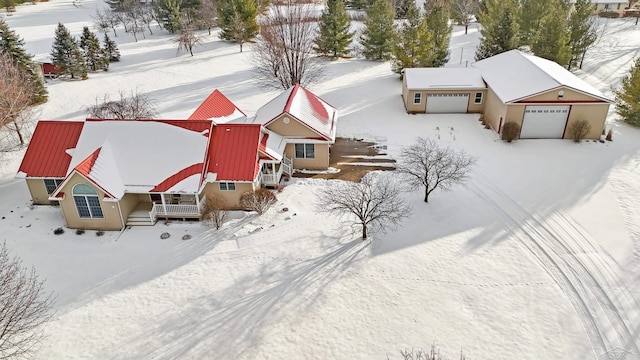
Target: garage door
544 122
447 103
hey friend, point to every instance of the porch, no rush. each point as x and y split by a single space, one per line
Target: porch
185 206
271 173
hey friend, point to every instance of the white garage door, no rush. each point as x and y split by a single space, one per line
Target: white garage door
544 122
447 103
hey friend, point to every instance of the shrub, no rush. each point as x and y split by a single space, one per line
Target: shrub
609 14
186 237
165 235
258 201
579 130
79 231
58 231
99 233
215 210
510 131
609 135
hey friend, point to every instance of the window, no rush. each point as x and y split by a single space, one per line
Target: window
619 6
227 186
87 202
417 98
305 151
52 184
478 98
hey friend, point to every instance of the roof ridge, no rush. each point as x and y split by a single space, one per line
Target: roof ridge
529 58
292 95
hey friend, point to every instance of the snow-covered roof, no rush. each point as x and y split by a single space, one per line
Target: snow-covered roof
515 75
443 78
275 145
138 155
305 106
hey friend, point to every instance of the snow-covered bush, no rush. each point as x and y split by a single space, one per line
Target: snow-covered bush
258 201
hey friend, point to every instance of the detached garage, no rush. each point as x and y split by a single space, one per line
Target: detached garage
542 97
443 91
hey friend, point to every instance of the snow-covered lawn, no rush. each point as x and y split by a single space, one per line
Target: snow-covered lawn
536 258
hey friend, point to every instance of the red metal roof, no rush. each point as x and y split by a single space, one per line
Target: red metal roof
233 152
177 177
86 165
216 105
46 155
318 110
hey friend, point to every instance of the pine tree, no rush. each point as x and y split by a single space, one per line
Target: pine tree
238 20
582 33
90 46
628 96
440 30
111 49
334 36
13 45
66 54
499 27
414 47
168 13
377 39
552 41
402 8
530 19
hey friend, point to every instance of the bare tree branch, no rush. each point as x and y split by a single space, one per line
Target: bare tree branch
135 107
24 308
374 203
16 89
427 165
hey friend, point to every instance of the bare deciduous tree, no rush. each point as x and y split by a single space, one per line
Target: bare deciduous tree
284 54
24 307
463 11
206 15
374 203
134 107
187 39
215 209
425 164
16 90
259 201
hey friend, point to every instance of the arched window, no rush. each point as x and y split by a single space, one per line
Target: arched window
87 202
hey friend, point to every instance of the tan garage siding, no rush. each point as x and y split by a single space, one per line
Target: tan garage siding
494 110
594 114
38 191
617 7
294 128
472 107
567 96
405 93
232 198
111 219
515 113
128 203
320 162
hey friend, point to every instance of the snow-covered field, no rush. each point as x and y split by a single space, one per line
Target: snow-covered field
538 257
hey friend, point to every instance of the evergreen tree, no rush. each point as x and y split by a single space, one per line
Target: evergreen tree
334 36
499 27
402 8
359 4
377 38
66 54
111 49
628 96
238 20
553 40
530 19
169 14
93 53
440 29
13 45
582 32
414 47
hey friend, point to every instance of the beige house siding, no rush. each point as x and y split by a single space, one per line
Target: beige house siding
569 95
472 107
38 191
111 219
293 129
128 203
405 93
617 7
320 162
494 110
232 198
594 114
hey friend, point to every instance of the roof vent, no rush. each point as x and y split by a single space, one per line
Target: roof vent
227 129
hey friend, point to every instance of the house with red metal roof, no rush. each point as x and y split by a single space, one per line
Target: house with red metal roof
107 174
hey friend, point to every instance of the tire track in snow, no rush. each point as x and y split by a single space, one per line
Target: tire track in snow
575 278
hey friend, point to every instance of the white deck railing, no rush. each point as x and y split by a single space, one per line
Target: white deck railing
287 165
176 210
153 214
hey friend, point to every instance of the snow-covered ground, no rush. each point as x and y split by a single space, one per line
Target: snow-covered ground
536 258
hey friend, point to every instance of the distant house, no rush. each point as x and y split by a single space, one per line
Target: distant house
537 94
108 174
609 6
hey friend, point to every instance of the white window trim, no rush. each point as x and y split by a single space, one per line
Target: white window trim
475 98
57 183
419 97
295 153
226 186
86 201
